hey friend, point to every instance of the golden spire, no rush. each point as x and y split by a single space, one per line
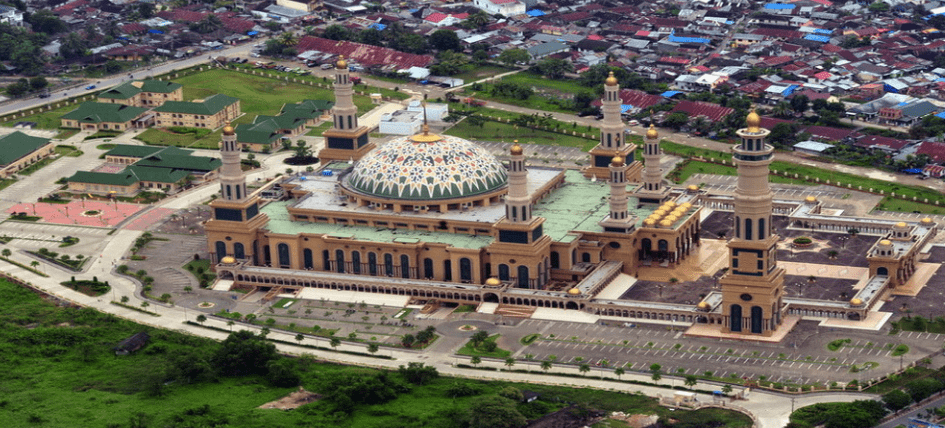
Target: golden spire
611 80
652 133
516 149
425 136
753 121
341 64
228 129
617 161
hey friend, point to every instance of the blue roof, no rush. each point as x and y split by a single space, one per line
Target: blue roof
822 31
789 90
625 108
912 171
252 33
677 39
155 31
940 79
377 26
670 94
535 12
940 115
816 38
779 6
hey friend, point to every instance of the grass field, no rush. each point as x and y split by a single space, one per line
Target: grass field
45 120
481 72
469 350
317 131
495 131
545 91
59 370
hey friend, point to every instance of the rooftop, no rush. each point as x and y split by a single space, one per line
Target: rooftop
17 145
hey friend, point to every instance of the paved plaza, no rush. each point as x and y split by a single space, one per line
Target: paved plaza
79 212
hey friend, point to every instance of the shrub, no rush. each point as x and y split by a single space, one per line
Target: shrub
803 240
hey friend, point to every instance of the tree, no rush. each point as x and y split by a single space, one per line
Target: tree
511 57
201 318
475 360
6 252
619 371
896 400
408 340
230 324
691 381
546 365
656 372
726 389
675 120
283 373
783 134
584 368
145 10
334 342
18 88
207 25
373 348
73 46
553 68
336 32
244 353
509 362
479 337
371 36
879 7
410 43
112 66
299 338
478 19
418 373
302 151
494 411
782 109
445 40
800 103
44 21
38 82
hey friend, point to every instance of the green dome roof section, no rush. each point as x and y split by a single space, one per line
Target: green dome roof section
448 168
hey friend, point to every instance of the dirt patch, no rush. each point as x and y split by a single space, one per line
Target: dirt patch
293 400
568 417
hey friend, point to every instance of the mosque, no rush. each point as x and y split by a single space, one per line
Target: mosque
440 221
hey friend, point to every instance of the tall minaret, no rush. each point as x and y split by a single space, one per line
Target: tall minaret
232 179
518 207
232 230
612 141
619 219
753 288
345 140
652 189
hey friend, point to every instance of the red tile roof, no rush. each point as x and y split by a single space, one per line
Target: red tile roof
635 98
436 17
770 122
68 7
876 140
182 15
133 28
674 60
934 149
829 133
777 60
823 75
365 54
755 87
713 112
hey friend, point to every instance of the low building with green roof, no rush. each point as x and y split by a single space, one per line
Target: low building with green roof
127 154
18 151
267 132
143 93
167 169
210 113
95 116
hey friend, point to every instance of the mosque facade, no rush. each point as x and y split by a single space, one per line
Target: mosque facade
437 219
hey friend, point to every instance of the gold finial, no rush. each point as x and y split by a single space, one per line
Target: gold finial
228 129
341 64
616 161
425 136
753 121
611 80
516 149
652 133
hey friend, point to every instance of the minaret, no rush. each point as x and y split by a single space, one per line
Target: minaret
652 189
232 179
232 230
518 207
345 140
619 219
612 141
753 288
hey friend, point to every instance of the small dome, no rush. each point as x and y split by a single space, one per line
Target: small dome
516 149
672 218
611 80
651 133
660 212
687 205
693 188
885 242
703 305
228 129
753 121
666 223
228 260
493 281
926 220
617 161
901 224
856 302
810 199
574 291
649 222
341 64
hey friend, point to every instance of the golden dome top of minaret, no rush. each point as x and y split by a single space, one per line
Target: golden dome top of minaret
652 133
611 80
617 161
228 129
341 64
753 121
516 149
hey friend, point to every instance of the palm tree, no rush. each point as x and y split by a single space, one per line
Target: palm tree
546 365
783 109
230 324
509 362
584 368
288 39
34 264
727 389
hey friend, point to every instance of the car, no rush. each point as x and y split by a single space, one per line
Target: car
325 66
634 122
44 95
244 60
254 55
90 87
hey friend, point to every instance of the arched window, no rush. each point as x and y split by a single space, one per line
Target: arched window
738 226
404 266
255 252
388 264
555 260
523 276
662 245
340 261
882 271
356 262
465 269
748 229
573 257
756 320
447 270
326 260
761 228
586 257
238 251
307 259
283 255
372 263
428 268
504 272
736 318
221 250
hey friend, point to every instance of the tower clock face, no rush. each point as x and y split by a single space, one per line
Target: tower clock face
746 297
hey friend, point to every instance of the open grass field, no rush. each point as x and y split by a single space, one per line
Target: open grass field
545 89
481 72
58 370
45 120
495 131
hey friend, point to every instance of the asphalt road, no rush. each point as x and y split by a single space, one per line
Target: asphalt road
903 419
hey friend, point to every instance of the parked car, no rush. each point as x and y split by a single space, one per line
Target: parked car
90 87
325 66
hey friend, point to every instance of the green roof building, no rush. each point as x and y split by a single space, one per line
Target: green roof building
95 116
211 112
268 131
143 93
18 150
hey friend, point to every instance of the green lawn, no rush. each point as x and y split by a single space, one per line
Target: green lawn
45 120
204 264
469 350
548 93
317 131
495 131
70 151
481 72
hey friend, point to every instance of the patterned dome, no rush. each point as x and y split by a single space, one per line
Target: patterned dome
413 168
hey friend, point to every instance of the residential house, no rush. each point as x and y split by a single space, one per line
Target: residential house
143 93
132 344
18 151
97 116
11 16
501 7
210 113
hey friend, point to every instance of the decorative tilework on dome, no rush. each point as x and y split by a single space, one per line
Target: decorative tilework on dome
446 169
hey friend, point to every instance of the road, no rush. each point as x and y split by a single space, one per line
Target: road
903 419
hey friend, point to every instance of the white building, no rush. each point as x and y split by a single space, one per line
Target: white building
502 7
10 15
400 122
435 112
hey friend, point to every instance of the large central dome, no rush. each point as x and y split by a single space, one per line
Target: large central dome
427 167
